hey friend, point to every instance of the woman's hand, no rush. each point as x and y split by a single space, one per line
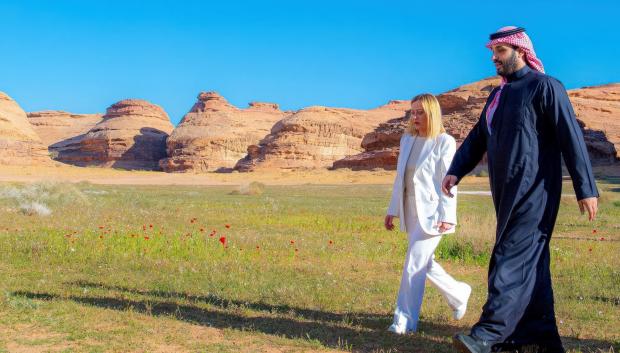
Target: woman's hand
389 225
443 227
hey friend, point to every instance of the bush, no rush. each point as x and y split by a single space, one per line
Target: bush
36 198
254 188
453 248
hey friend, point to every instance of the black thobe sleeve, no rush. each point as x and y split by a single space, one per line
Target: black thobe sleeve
471 151
558 108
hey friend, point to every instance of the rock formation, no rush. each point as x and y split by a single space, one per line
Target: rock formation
58 129
315 137
214 135
19 143
598 111
131 135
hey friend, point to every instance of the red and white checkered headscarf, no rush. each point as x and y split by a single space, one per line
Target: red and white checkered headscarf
521 40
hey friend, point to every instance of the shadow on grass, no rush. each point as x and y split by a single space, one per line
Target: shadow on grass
329 333
358 332
366 320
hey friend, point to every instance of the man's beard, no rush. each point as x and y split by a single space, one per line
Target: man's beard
509 66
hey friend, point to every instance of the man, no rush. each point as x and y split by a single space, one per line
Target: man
526 126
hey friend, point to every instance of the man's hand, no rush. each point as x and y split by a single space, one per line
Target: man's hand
444 226
389 225
589 204
448 182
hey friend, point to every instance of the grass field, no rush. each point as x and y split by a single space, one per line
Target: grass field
94 268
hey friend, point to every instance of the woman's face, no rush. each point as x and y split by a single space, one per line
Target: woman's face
418 117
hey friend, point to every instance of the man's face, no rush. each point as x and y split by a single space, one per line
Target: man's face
506 59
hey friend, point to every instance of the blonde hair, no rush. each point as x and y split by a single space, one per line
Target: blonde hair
432 110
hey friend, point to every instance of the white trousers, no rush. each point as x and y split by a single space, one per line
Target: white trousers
420 264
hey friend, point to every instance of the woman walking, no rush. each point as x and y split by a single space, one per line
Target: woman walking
426 152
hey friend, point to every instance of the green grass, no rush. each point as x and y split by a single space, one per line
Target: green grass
304 268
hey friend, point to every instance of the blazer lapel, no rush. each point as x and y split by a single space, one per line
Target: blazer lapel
404 152
426 150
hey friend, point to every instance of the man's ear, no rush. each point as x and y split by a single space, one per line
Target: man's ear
521 53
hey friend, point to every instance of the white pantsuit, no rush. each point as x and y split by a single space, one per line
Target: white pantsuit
419 203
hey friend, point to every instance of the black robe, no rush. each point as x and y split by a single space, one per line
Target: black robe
533 126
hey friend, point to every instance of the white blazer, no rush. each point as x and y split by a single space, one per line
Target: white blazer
432 205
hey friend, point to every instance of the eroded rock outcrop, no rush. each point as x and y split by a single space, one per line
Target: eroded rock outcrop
598 111
19 143
58 128
214 135
315 137
131 135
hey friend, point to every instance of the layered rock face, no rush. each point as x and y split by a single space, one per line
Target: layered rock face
214 135
315 137
461 109
597 110
19 143
131 135
58 129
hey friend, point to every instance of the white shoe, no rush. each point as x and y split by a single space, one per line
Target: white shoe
459 312
397 329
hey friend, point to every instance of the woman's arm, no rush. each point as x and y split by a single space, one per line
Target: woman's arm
394 207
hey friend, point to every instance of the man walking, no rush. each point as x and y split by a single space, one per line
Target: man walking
526 127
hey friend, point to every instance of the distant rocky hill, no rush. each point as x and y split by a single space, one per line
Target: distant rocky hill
19 143
214 135
315 137
131 135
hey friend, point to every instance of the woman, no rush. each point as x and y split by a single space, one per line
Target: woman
426 214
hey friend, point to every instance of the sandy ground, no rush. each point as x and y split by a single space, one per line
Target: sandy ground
95 175
109 176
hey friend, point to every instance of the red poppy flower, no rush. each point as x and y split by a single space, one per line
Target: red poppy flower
590 249
257 247
331 242
593 231
292 242
100 227
202 229
146 237
227 226
602 238
101 237
223 240
144 227
150 226
296 250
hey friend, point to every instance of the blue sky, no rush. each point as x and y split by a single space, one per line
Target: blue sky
82 56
